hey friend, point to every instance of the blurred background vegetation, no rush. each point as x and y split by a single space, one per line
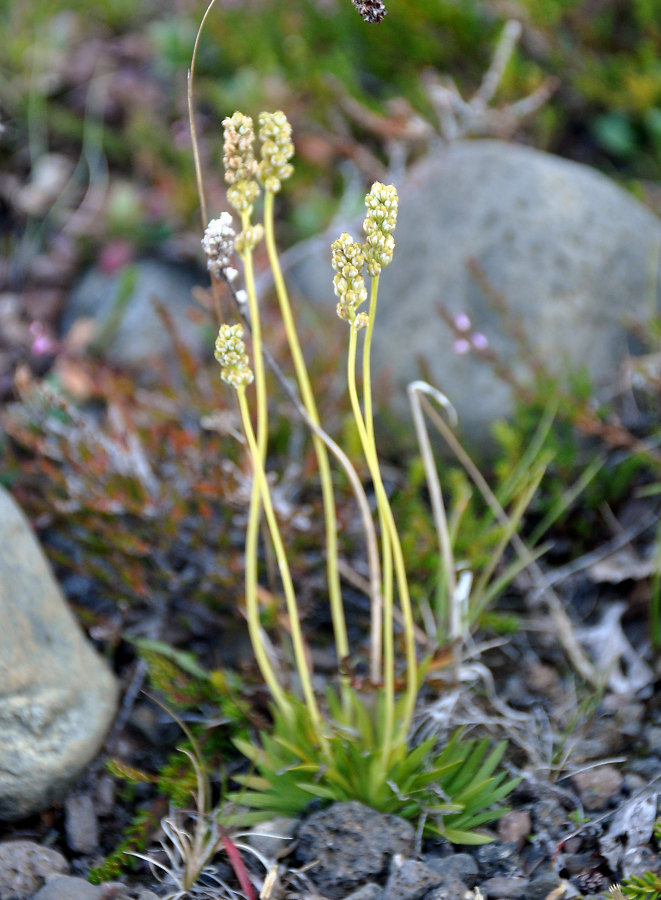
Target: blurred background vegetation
103 82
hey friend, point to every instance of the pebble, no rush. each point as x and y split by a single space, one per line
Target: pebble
449 889
637 860
497 859
514 827
549 818
597 786
24 867
273 837
542 885
66 888
458 867
410 880
369 891
81 825
503 887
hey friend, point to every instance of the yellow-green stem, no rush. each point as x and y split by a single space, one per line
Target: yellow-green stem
283 565
333 575
388 644
367 363
400 572
252 601
258 358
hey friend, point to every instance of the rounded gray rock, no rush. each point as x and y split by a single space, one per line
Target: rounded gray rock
66 888
24 866
121 303
571 254
351 844
57 696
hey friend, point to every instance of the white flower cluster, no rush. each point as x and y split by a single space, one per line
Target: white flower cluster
218 245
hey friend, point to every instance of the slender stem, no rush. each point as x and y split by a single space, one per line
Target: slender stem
191 119
303 378
400 572
252 602
367 363
452 628
283 565
388 637
258 358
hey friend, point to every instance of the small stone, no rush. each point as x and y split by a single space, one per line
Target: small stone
514 827
449 889
542 885
65 887
542 680
369 891
81 824
497 859
273 837
598 786
549 817
104 795
503 887
410 880
24 867
637 860
457 867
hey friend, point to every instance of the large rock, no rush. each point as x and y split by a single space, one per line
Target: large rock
121 303
572 254
57 696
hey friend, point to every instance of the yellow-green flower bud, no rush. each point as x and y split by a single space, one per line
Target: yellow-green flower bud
240 162
380 222
242 195
231 354
348 260
248 239
277 150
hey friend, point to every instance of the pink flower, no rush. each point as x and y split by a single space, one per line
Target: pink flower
479 341
461 347
462 322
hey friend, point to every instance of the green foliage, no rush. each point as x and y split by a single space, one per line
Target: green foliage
643 887
135 838
454 791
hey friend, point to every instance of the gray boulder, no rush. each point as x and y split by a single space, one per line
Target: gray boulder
571 253
57 696
128 327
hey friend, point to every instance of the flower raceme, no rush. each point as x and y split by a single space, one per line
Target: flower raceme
380 221
231 354
350 259
276 150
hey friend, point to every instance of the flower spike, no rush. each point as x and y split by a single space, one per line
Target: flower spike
349 285
218 244
231 354
240 162
277 150
380 221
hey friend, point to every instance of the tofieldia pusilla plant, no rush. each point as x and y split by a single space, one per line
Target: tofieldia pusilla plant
353 743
